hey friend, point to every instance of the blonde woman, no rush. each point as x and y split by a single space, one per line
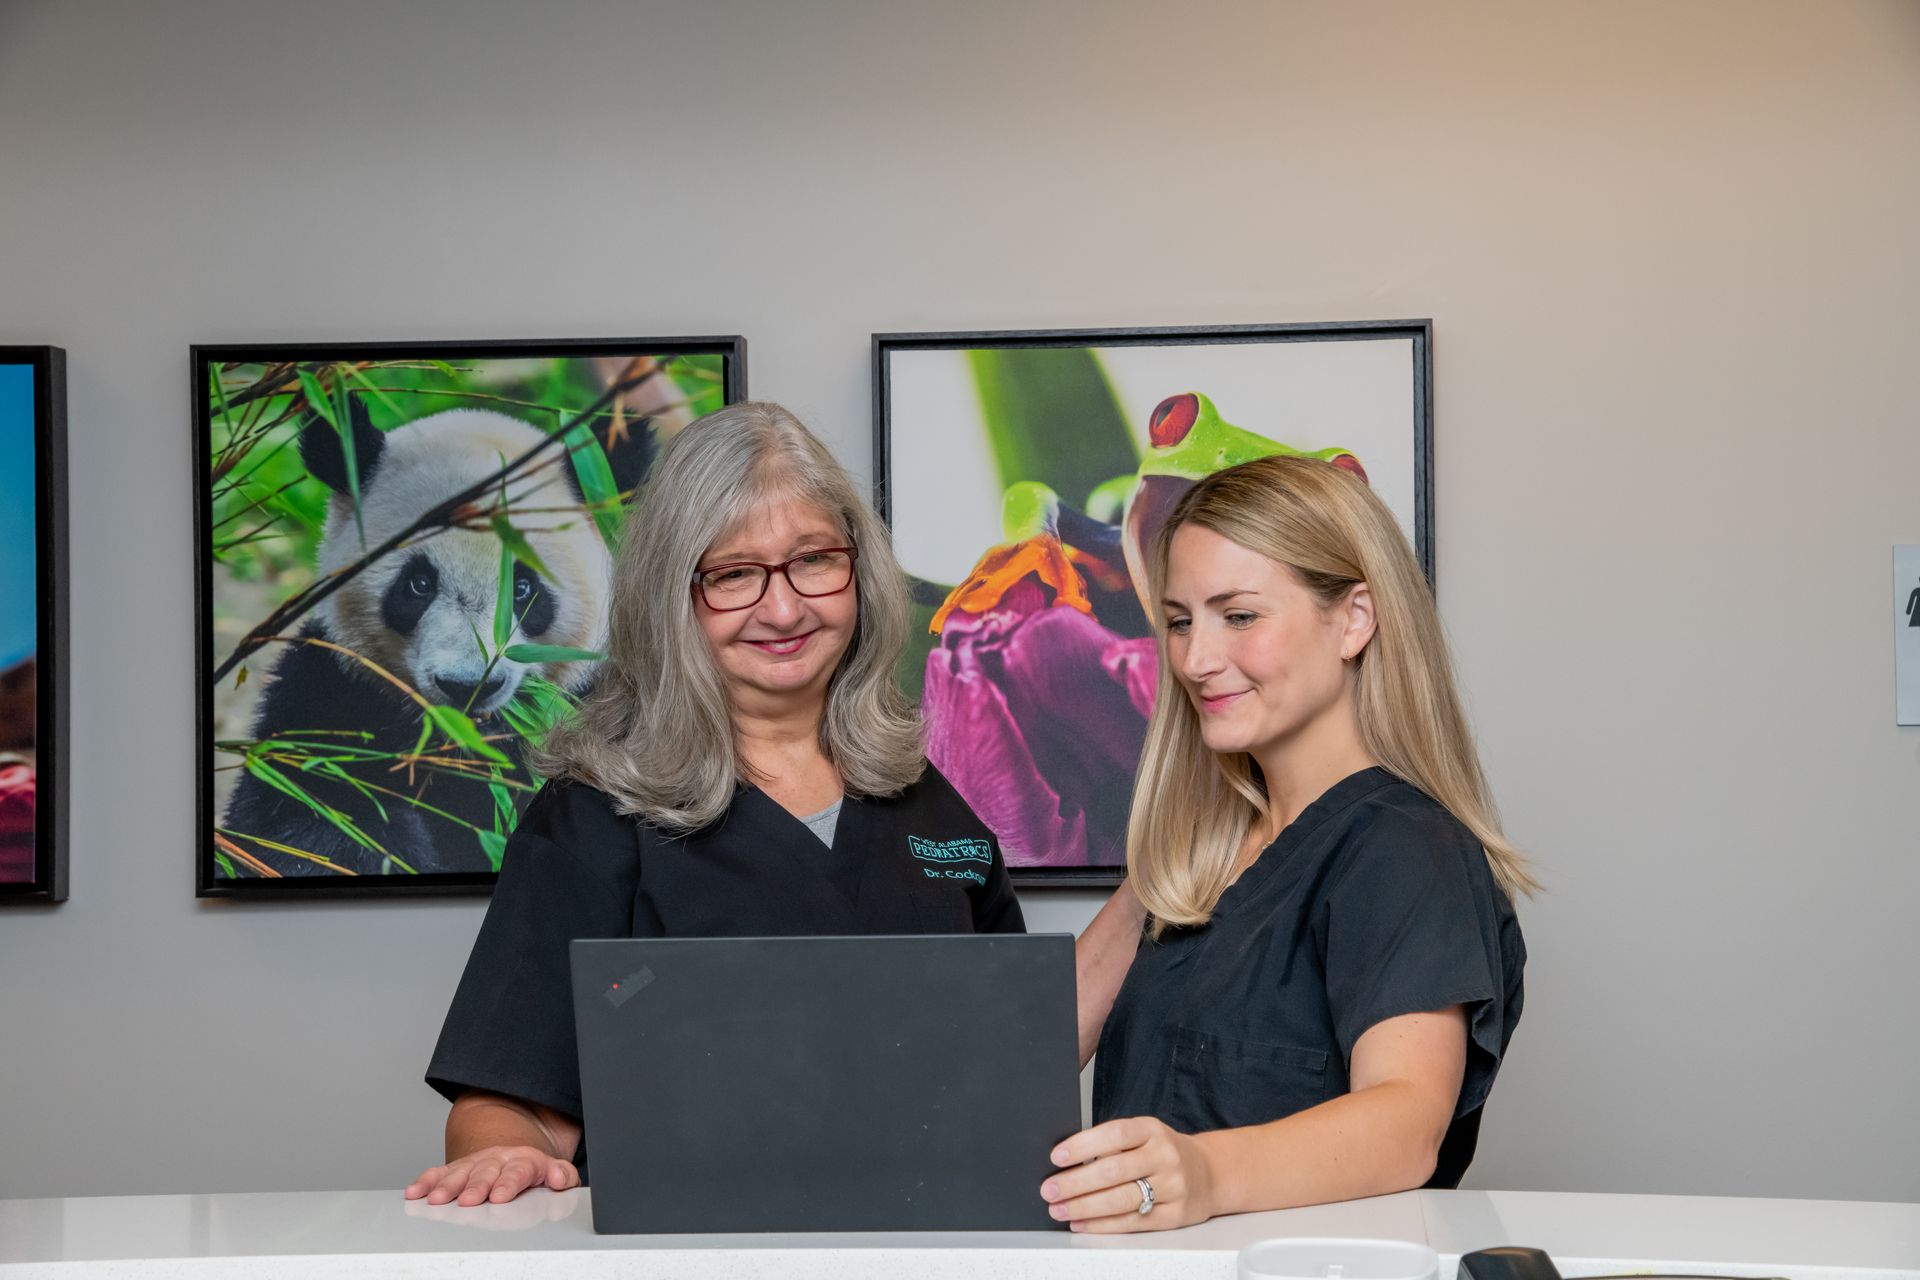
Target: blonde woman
1331 966
743 766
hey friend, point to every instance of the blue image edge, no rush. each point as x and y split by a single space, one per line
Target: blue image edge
33 639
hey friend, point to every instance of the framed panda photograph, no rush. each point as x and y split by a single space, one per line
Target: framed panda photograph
405 555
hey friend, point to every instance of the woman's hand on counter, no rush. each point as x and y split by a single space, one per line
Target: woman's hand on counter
493 1174
497 1147
1097 1189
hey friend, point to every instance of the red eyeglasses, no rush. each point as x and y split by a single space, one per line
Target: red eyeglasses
740 584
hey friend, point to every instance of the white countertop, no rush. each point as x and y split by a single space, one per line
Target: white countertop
377 1233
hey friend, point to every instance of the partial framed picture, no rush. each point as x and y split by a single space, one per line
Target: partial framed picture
33 624
404 570
1024 475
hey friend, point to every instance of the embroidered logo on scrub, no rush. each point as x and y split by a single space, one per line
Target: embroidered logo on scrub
951 858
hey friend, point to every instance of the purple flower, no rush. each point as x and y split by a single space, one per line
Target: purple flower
1036 714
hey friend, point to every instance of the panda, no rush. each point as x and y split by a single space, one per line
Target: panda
421 613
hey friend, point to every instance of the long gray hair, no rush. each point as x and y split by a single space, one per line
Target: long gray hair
656 733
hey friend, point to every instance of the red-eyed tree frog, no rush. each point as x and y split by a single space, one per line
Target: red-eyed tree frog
1187 440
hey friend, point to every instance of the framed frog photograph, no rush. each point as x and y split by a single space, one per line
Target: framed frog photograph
405 569
1025 474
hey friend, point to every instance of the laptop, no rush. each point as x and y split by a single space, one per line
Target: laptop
825 1084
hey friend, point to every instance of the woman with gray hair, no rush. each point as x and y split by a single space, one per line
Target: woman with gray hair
743 767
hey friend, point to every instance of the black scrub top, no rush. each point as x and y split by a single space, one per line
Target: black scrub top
919 862
1374 902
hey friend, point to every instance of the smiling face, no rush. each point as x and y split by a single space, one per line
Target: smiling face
783 651
1262 659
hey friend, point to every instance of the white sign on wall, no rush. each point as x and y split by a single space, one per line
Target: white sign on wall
1906 635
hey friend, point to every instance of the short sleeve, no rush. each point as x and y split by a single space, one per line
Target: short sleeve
995 908
1413 924
569 872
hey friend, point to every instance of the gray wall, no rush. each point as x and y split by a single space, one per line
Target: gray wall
1668 250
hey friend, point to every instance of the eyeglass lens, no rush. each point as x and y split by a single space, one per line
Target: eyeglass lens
817 573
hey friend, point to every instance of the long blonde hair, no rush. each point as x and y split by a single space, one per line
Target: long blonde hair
1193 807
656 732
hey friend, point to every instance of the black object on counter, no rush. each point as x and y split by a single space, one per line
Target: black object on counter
1514 1263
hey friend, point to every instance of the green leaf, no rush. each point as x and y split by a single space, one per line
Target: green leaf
531 653
288 787
503 811
495 845
516 542
537 708
1051 415
455 724
226 868
596 481
520 720
359 375
342 423
317 398
503 598
220 394
371 796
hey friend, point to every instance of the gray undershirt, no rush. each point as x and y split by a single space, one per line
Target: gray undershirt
824 822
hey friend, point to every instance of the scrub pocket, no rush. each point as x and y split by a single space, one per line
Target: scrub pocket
1219 1082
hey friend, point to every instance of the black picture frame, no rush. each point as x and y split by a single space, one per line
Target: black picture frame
730 349
52 817
889 498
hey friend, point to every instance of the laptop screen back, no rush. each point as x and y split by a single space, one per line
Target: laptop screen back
825 1084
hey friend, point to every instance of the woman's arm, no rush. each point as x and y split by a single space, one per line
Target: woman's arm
1382 1136
497 1147
1101 956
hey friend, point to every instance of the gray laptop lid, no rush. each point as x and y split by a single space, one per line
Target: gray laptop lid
825 1084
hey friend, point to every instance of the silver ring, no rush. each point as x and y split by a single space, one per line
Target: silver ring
1146 1195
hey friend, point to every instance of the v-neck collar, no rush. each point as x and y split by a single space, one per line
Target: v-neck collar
847 836
1342 794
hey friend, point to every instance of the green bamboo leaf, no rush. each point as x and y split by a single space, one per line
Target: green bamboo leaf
220 394
520 720
372 797
516 542
342 425
495 846
1051 415
226 868
333 817
596 481
503 598
359 375
537 708
317 398
455 724
531 653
